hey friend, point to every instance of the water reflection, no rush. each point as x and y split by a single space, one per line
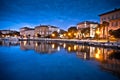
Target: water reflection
39 47
109 59
9 43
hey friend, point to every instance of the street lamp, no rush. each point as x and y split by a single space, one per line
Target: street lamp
69 34
98 33
53 35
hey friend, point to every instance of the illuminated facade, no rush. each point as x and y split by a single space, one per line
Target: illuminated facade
9 33
45 30
113 18
26 32
41 30
86 25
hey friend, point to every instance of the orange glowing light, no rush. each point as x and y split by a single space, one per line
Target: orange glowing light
69 48
97 56
53 35
75 33
75 47
98 32
69 34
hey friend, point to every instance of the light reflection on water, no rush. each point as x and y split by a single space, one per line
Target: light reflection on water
108 60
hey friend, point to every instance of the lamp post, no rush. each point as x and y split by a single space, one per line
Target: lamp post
98 33
53 35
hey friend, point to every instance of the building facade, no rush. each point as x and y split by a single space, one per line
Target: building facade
45 30
112 17
9 33
86 29
26 33
41 31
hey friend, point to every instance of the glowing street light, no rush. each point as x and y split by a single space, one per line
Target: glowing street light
75 34
53 35
69 34
98 32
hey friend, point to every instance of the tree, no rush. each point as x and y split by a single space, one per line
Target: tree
65 34
85 31
72 31
115 33
55 34
105 25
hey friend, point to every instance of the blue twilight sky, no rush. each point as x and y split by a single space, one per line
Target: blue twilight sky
15 14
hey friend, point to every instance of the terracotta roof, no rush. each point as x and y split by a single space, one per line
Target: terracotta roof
41 26
115 10
24 28
54 26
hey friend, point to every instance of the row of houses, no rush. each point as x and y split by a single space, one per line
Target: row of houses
111 17
9 33
46 30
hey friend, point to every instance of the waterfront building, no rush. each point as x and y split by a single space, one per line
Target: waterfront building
9 33
45 30
113 18
26 33
86 29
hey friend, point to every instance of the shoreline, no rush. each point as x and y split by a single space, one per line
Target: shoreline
96 43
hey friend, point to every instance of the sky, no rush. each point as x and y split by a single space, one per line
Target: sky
15 14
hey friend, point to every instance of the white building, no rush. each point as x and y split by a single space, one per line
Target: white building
26 33
45 30
86 24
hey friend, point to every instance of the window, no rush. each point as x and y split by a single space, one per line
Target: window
116 23
104 18
112 24
108 18
113 17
